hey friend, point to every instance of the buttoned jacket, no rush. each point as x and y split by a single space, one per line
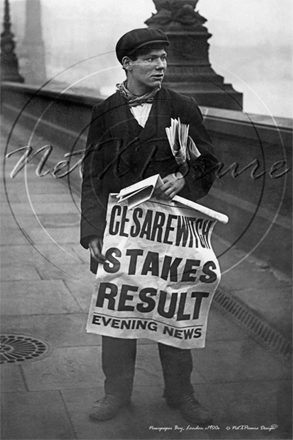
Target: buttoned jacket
120 153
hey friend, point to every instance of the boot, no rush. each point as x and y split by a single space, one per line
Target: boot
107 408
191 410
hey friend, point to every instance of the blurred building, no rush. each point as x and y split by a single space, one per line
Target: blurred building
32 48
250 47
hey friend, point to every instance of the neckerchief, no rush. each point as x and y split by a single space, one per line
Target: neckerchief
134 100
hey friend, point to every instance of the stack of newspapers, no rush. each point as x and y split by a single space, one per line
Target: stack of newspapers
183 148
144 190
181 144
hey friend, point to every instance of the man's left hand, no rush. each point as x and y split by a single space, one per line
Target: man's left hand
172 185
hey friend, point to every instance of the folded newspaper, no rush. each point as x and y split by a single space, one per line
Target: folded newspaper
144 190
182 145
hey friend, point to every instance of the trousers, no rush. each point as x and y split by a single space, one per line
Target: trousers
118 363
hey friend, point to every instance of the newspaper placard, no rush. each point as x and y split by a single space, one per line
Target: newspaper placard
160 276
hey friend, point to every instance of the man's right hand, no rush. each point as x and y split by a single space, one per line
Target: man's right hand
95 247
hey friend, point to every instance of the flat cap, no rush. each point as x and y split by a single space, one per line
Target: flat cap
138 38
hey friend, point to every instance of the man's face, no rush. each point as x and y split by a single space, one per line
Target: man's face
146 72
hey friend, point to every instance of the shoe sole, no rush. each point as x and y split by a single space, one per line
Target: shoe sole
101 419
177 406
96 418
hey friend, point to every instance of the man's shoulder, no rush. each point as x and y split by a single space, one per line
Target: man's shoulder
183 105
176 96
111 102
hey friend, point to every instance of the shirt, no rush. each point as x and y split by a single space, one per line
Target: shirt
141 113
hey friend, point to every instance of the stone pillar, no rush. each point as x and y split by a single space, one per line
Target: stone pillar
33 54
9 61
189 69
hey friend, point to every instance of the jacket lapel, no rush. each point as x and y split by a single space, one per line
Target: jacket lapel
140 144
123 122
120 123
159 118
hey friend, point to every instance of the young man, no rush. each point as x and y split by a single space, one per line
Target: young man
127 142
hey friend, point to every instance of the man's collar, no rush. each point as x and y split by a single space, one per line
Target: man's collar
134 100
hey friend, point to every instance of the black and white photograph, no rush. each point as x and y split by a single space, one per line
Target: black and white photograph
146 219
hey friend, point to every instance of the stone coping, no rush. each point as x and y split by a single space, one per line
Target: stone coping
243 117
208 112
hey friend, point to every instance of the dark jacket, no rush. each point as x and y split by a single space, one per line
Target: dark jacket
120 152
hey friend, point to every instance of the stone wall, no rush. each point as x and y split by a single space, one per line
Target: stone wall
253 185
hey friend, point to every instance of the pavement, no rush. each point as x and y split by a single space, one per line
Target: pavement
46 290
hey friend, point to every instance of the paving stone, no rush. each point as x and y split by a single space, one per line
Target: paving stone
35 416
82 253
13 236
38 255
56 330
250 404
7 221
36 297
11 378
238 361
82 291
3 198
27 177
68 367
80 367
143 341
59 220
76 272
5 209
15 197
219 246
45 230
232 258
16 254
259 278
53 235
267 292
150 413
37 187
17 273
16 176
45 207
59 253
148 370
142 420
271 306
60 199
33 220
12 231
38 235
221 328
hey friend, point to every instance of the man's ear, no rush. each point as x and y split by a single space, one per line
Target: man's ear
126 63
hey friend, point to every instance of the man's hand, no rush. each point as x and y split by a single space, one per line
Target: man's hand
95 247
172 185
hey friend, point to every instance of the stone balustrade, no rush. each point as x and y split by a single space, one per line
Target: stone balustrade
253 185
